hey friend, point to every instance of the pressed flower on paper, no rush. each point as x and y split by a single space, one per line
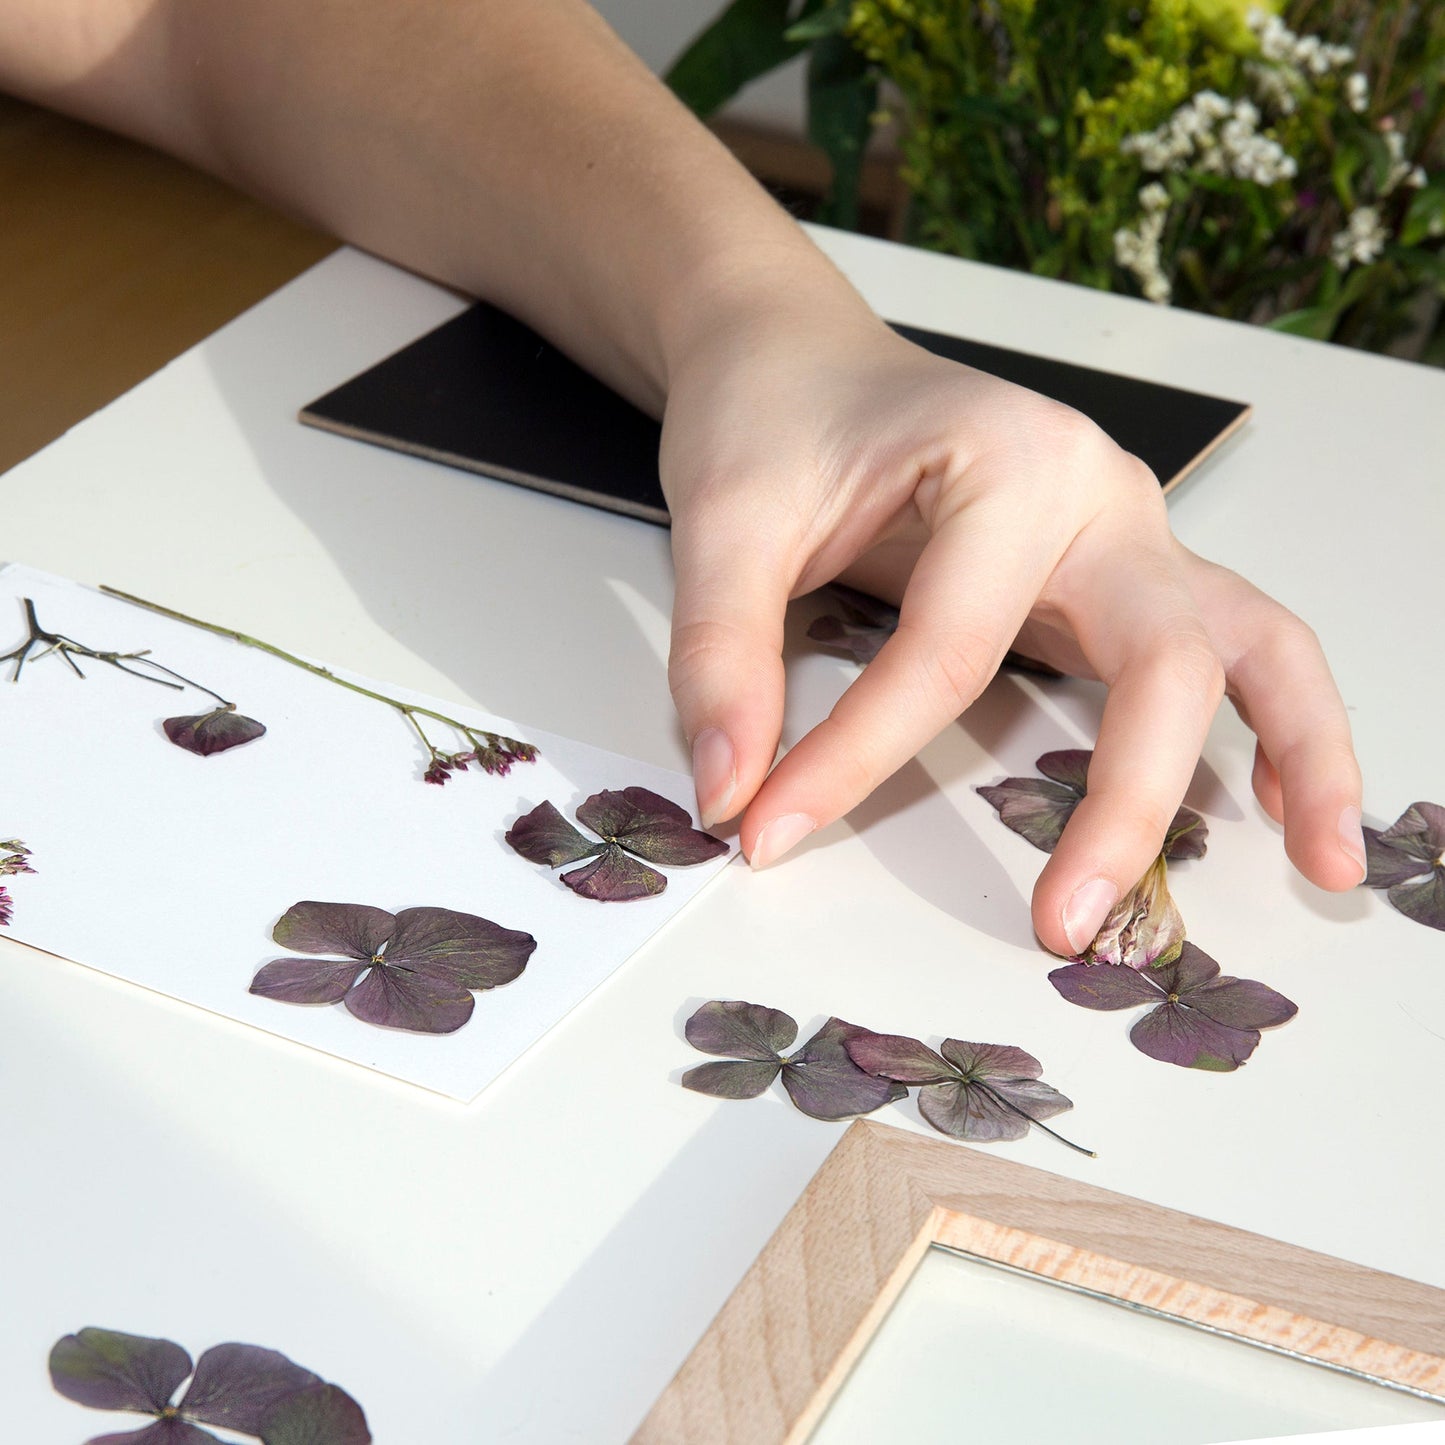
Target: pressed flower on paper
637 828
252 1391
14 858
215 731
414 970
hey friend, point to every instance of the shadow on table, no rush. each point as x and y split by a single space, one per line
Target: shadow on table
683 1247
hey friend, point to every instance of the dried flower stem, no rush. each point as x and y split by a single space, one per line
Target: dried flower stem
410 711
69 649
1053 1134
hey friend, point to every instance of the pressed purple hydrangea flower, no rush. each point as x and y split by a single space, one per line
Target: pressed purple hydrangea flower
412 970
245 1388
1038 808
214 731
1407 860
979 1092
634 825
1198 1019
820 1077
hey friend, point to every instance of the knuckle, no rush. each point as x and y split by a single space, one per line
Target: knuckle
698 649
957 667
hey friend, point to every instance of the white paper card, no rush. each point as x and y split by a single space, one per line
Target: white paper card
170 870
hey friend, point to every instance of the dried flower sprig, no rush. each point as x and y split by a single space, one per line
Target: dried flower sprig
979 1092
634 824
490 752
1198 1019
14 858
243 1388
204 733
413 970
1407 861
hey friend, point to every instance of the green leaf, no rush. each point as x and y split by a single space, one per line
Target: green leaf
1427 208
842 96
814 23
747 40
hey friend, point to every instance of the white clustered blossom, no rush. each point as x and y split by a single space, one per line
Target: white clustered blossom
1137 250
1357 93
1194 138
1307 54
1362 240
1401 172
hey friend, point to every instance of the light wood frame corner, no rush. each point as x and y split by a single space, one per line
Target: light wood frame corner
781 1346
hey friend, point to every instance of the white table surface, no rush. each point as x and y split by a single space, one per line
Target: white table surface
534 1266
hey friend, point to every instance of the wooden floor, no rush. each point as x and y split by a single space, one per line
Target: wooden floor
113 260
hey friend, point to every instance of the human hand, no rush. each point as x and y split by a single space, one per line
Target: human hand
797 450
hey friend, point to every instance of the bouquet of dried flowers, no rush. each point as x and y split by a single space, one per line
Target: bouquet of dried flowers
1282 165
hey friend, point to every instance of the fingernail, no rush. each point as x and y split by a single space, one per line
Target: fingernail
778 836
714 774
1085 912
1352 840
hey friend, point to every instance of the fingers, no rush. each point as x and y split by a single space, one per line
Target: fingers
1305 771
725 667
970 591
1166 681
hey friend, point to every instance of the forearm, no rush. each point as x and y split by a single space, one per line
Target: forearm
516 150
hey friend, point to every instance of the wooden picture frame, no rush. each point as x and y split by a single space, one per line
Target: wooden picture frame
780 1348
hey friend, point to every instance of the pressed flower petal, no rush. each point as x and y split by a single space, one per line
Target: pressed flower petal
990 1061
212 732
545 836
108 1370
1104 986
740 1030
306 980
862 642
323 1415
1240 1003
164 1432
1143 927
649 825
732 1078
1069 766
351 929
615 877
392 998
1174 1034
897 1057
1423 899
1188 836
1031 1096
1388 865
1419 831
237 1386
965 1111
825 1083
458 948
1190 969
1033 807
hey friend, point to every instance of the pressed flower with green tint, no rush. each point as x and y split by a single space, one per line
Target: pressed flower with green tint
637 828
821 1079
255 1392
1407 860
1197 1018
1039 808
14 858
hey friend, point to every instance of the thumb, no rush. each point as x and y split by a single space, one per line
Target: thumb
725 667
